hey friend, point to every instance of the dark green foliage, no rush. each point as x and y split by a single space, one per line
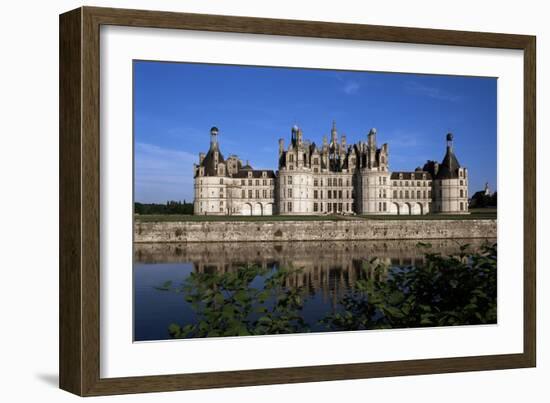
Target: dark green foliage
445 291
481 200
227 304
171 207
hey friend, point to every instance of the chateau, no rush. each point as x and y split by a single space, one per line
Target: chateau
332 178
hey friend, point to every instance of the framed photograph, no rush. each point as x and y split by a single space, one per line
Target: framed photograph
248 201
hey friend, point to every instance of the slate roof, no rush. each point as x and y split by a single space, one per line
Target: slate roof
448 169
209 163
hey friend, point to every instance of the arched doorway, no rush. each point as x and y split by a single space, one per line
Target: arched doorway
406 209
394 209
416 209
258 210
246 209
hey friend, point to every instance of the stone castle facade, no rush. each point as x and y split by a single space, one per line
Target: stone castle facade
332 178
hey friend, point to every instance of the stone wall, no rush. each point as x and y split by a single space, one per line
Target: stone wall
345 230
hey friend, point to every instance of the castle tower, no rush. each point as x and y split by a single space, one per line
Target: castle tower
210 179
450 186
373 178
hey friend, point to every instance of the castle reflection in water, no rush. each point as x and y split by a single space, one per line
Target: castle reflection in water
327 268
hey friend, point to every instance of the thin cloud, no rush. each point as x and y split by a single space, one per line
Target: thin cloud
162 174
348 86
431 92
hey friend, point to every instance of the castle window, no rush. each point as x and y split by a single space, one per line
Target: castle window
418 183
290 193
289 207
250 182
460 174
221 181
406 183
264 193
257 182
291 168
291 158
400 194
461 206
430 183
385 206
384 180
384 193
461 182
347 194
329 181
250 176
412 194
257 194
340 182
406 194
418 194
316 161
315 170
429 193
250 193
264 182
400 182
315 195
339 206
461 194
329 207
290 180
315 182
243 194
395 194
379 206
264 174
315 207
424 194
243 182
339 194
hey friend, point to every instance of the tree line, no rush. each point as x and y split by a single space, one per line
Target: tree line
171 207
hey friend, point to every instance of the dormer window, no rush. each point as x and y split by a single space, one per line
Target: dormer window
250 174
264 174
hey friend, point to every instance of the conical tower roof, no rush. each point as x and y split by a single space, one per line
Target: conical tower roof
448 169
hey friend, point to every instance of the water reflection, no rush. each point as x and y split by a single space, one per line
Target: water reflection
328 271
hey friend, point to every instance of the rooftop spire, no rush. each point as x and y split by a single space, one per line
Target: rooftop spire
450 140
334 133
214 136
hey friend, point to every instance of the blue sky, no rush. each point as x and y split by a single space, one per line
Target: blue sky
175 104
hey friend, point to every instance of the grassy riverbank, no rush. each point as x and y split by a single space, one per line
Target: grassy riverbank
475 214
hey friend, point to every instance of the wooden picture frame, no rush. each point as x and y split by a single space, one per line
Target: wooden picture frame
80 199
